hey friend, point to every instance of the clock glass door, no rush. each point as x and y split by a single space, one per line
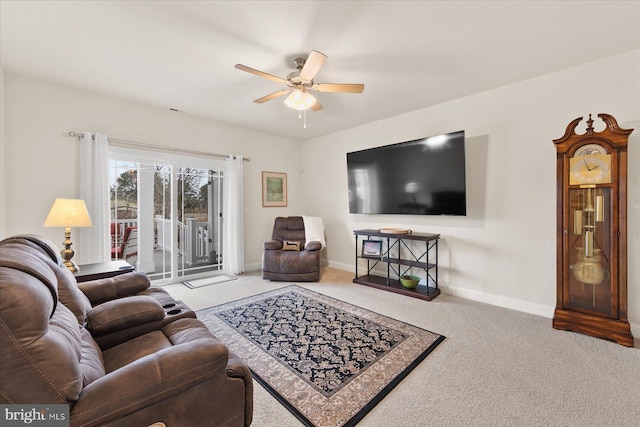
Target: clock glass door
590 229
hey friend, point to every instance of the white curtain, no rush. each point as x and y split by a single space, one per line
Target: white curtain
233 229
93 244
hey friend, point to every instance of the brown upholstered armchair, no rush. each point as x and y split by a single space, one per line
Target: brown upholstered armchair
288 256
177 373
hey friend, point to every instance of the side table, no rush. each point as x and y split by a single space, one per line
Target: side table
102 270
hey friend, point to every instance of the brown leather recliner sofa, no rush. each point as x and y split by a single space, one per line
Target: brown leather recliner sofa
97 301
301 265
155 366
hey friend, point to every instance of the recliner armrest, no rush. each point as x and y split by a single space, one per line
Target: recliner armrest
151 379
273 245
123 313
313 246
124 285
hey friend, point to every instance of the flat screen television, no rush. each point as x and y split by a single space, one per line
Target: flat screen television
420 177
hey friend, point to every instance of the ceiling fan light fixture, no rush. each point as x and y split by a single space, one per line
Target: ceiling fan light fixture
300 100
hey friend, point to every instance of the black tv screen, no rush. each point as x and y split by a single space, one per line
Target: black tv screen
421 177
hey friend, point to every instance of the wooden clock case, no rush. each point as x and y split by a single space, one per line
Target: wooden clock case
597 305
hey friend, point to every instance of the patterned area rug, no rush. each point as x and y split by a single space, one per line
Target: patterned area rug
327 361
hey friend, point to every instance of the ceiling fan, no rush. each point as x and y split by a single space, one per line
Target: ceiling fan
300 82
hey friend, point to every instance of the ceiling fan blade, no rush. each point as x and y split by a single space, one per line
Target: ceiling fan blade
273 95
260 73
312 65
339 87
317 106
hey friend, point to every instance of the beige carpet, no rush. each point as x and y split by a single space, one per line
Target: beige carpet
497 367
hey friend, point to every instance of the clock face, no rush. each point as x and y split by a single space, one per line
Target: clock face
590 150
591 169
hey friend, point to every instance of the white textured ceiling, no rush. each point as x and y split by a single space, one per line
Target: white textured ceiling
409 55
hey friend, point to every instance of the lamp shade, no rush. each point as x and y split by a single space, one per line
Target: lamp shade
68 213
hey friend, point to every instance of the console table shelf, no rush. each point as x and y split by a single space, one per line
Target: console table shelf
410 263
394 261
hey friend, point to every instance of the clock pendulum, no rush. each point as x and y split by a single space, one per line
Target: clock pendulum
588 268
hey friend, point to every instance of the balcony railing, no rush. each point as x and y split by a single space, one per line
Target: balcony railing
194 238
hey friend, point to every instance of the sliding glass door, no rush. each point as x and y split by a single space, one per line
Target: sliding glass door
166 216
199 220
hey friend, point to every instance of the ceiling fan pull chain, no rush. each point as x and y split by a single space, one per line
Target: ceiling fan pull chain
305 118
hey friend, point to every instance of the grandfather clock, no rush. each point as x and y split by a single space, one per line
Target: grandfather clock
592 231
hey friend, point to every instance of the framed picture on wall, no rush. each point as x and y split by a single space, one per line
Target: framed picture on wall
274 189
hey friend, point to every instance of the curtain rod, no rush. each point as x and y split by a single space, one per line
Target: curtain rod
124 142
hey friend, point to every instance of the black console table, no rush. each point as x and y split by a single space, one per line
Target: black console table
398 265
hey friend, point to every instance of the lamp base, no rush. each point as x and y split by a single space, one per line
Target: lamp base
72 266
67 253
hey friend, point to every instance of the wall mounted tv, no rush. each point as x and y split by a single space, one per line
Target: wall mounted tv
421 177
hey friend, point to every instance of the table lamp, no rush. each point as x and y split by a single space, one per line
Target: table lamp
68 213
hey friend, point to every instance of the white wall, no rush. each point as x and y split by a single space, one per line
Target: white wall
3 180
503 251
2 157
42 161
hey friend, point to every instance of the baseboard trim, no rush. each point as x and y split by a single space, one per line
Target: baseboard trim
256 266
493 299
341 266
635 331
501 301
